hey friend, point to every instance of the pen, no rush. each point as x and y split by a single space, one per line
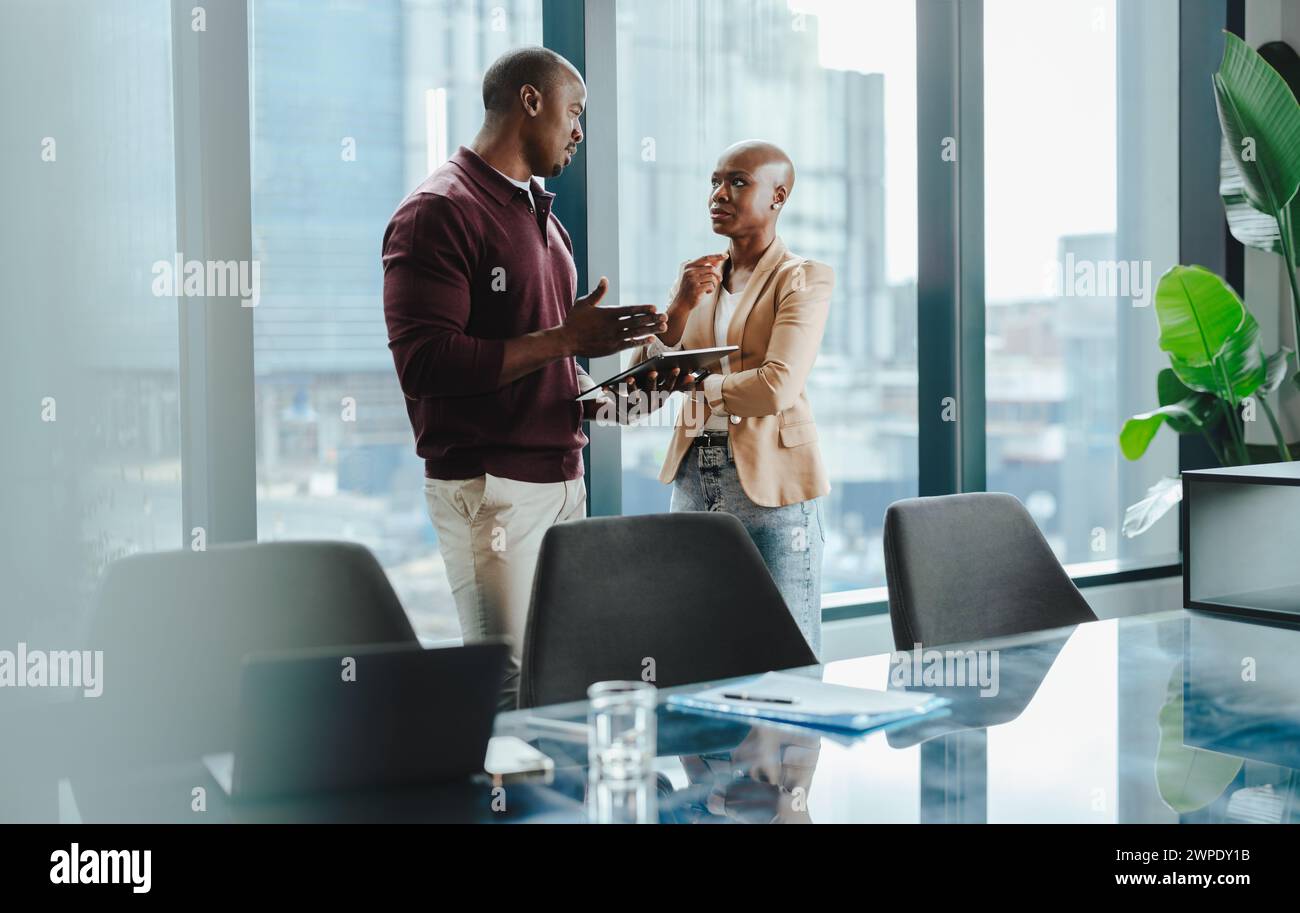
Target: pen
758 699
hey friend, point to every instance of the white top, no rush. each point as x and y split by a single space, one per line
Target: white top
712 385
525 186
721 320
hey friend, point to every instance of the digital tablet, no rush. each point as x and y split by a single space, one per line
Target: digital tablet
687 360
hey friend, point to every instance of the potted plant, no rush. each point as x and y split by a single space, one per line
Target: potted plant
1218 375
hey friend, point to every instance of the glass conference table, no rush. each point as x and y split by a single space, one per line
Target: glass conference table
1171 717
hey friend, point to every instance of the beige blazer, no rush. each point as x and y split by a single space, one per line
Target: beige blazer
778 324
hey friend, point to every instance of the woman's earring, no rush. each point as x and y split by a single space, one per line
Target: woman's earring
776 205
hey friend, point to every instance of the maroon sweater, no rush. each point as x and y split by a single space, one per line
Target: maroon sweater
467 266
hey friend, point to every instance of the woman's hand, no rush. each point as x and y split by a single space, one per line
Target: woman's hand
699 278
636 400
673 381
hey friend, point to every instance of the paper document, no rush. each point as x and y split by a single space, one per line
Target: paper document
790 698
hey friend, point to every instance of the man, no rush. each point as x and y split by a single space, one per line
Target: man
479 286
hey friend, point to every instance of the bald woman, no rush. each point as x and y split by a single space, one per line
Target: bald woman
745 440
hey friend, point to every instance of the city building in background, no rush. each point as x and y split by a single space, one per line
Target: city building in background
352 106
352 109
685 94
91 412
1068 354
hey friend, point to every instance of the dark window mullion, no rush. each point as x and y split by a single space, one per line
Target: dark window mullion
950 223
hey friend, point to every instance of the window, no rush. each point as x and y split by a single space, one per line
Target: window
352 107
1078 112
834 84
91 458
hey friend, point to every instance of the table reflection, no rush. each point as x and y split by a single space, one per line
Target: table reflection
1176 717
766 779
1235 699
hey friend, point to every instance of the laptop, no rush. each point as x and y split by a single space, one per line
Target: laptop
361 718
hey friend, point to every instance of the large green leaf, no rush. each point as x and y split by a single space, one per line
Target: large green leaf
1239 365
1186 411
1261 124
1247 224
1203 406
1197 313
1136 435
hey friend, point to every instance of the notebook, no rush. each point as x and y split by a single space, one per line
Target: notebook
787 698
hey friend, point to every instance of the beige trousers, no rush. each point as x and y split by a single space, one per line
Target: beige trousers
490 530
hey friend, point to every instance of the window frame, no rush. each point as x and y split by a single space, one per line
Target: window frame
213 133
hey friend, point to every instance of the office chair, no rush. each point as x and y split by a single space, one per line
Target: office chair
175 628
972 566
686 595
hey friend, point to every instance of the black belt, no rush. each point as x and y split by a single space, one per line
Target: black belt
712 438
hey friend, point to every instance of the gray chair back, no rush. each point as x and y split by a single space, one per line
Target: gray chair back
686 592
175 628
971 566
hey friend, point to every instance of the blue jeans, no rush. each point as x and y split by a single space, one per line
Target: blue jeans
790 538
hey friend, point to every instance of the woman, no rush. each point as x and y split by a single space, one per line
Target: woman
745 441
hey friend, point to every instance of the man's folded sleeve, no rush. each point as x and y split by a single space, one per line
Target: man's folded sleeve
428 261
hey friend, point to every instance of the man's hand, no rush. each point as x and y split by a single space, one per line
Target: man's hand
593 331
589 331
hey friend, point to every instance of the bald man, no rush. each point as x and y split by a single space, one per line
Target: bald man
745 441
479 296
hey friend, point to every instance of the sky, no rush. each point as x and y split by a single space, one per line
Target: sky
1050 121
